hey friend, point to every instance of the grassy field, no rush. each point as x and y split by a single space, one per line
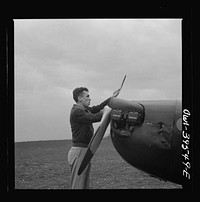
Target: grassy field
43 165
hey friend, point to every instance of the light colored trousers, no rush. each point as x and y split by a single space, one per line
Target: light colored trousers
75 156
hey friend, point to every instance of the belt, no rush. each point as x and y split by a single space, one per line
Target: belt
79 144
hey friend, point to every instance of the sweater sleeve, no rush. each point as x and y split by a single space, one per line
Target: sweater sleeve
82 116
98 108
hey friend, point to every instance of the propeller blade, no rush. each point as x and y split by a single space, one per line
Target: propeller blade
116 93
96 140
123 82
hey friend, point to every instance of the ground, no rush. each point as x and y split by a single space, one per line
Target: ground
43 165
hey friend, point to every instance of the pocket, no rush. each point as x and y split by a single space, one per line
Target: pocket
73 153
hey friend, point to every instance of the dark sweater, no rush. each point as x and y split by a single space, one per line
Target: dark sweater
81 120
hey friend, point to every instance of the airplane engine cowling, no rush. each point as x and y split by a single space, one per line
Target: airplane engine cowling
148 139
125 116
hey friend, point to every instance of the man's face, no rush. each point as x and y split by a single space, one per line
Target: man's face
85 99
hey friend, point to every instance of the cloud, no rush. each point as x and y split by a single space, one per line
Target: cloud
99 48
52 57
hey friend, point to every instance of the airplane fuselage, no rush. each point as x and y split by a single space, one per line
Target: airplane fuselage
148 135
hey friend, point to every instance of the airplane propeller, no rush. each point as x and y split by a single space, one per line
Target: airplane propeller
96 139
98 135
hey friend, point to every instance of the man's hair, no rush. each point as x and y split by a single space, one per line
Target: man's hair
78 92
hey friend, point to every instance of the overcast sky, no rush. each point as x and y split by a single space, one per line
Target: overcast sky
52 57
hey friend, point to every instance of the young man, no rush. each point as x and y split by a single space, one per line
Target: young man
81 118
